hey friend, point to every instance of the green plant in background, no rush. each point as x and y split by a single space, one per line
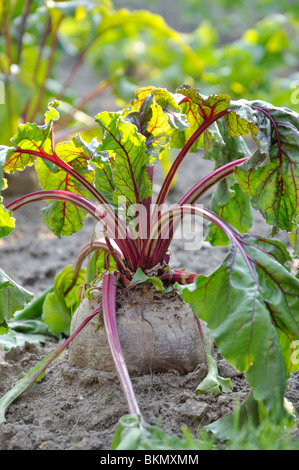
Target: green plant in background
41 36
247 48
46 43
262 61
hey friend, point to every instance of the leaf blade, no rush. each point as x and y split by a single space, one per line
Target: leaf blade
253 331
274 187
13 297
129 152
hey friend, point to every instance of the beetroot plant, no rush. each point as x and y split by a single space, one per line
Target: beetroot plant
250 303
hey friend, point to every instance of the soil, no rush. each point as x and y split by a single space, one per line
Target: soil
76 408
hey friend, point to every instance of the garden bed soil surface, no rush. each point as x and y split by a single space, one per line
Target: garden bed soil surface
75 408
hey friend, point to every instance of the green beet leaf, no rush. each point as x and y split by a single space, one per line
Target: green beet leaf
128 149
104 182
168 103
221 147
198 109
64 218
208 106
31 139
232 205
13 297
213 382
156 114
4 329
98 262
251 305
294 238
33 331
7 222
273 187
3 155
251 421
59 305
241 119
228 201
140 277
179 139
77 152
152 123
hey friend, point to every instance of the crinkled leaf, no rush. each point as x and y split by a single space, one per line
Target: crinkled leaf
241 119
221 147
61 217
13 297
274 188
104 182
60 304
208 106
169 104
263 140
167 101
179 138
232 205
31 139
34 141
152 123
52 114
252 313
128 149
228 201
77 152
198 109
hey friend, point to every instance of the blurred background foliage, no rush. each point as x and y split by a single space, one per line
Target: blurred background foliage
93 54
